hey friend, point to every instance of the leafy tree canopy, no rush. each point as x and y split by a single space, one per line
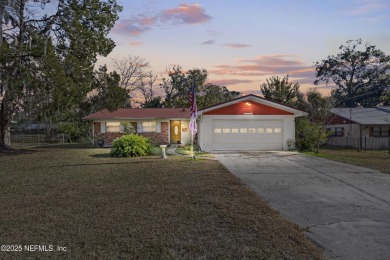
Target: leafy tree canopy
177 89
281 91
47 54
361 75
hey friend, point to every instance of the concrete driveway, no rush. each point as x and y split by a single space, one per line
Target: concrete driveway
344 209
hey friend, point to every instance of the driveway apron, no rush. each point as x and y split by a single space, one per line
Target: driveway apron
344 209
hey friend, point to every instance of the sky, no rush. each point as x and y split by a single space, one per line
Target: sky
242 43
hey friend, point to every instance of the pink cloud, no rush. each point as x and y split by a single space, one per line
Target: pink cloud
183 14
136 43
227 82
130 26
186 14
236 45
268 65
147 20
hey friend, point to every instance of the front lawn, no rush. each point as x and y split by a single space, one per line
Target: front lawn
377 160
104 208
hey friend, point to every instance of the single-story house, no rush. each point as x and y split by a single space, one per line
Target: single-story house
245 123
160 125
360 127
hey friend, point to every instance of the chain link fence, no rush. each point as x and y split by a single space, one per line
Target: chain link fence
28 140
364 143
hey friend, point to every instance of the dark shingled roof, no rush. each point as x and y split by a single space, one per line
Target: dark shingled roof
128 113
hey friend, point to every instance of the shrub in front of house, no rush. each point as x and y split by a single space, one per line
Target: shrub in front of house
131 146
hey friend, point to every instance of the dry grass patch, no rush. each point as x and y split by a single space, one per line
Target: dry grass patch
102 207
377 160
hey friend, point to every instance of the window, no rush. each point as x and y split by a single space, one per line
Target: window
113 127
149 126
217 131
235 130
260 130
337 131
380 131
243 130
268 130
252 130
226 130
277 130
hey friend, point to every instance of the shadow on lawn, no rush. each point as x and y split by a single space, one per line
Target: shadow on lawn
14 152
68 146
101 155
95 164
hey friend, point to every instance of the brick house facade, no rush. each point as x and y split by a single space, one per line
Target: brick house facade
153 123
155 138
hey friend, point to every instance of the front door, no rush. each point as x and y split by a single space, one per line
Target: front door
175 131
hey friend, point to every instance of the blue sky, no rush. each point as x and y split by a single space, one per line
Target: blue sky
241 43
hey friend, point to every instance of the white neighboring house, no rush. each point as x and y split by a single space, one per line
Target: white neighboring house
360 127
246 123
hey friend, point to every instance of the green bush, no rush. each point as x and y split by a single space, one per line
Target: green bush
131 146
71 131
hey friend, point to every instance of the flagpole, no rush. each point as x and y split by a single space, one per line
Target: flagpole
192 145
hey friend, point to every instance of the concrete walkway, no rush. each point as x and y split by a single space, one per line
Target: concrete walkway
344 209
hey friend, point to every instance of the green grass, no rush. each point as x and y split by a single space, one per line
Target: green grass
104 208
377 160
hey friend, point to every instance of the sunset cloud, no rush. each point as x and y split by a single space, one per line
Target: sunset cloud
136 43
130 26
236 45
227 82
268 65
183 14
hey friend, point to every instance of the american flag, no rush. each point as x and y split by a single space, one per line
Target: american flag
193 109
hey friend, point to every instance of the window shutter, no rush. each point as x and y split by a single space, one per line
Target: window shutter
139 127
102 127
158 127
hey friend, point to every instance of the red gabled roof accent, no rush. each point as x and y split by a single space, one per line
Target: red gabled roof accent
247 107
221 103
247 96
138 113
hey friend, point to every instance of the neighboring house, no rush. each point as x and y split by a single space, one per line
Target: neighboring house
245 123
161 125
360 127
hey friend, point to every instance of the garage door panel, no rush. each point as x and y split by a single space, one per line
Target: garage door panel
247 134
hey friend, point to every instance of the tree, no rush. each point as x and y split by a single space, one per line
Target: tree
108 94
68 34
132 72
177 87
361 76
281 91
146 87
211 94
319 107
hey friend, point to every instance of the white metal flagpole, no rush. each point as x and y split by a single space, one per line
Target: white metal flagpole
192 145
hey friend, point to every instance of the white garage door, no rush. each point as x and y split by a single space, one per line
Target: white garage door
241 135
